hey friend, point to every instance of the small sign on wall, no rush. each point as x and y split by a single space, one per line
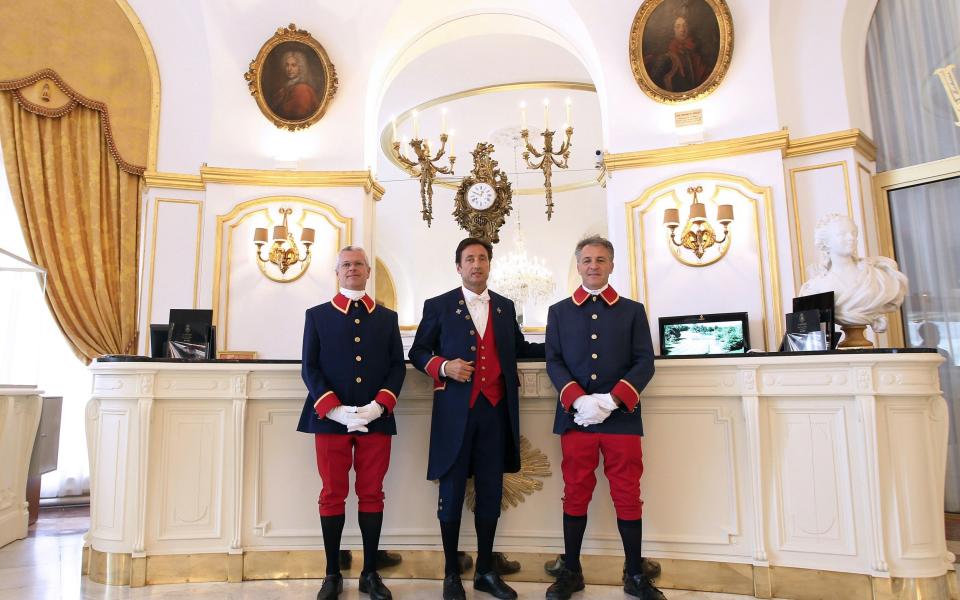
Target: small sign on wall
688 118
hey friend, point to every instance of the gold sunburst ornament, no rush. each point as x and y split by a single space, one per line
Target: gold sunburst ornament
534 466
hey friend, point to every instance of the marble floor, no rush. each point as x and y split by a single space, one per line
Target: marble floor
46 566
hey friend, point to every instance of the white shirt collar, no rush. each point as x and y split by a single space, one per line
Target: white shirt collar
353 294
471 297
595 292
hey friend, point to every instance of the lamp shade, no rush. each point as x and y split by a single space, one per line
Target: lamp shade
308 235
671 217
260 235
279 233
698 212
725 214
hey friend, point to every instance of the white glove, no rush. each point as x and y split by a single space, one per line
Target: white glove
347 415
370 412
606 402
593 410
588 411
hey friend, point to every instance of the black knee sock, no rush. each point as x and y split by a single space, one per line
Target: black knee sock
450 534
573 530
332 528
486 531
370 524
631 532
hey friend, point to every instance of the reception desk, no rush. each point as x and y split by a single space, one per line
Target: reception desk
792 476
19 417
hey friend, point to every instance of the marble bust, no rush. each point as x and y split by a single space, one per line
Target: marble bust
865 289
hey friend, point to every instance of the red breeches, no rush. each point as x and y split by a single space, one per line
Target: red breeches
368 454
622 464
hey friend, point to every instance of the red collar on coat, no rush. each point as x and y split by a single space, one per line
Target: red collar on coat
342 303
609 295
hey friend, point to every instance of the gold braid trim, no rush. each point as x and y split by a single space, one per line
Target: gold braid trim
16 84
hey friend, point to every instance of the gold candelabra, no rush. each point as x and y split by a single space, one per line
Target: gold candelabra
698 235
284 252
425 167
549 157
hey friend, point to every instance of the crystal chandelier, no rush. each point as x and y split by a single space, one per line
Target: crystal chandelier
521 277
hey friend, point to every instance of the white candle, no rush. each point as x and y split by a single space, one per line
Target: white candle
546 113
443 120
523 115
416 125
569 112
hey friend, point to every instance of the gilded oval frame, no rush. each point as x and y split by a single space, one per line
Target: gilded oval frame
724 21
324 86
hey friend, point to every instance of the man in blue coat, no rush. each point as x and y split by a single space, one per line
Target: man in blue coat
600 357
468 341
353 369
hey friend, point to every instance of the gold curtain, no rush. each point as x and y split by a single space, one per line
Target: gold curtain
79 208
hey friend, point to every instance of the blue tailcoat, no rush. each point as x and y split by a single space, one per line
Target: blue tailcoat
330 351
599 354
445 332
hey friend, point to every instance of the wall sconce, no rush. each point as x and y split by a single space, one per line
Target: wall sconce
284 252
697 235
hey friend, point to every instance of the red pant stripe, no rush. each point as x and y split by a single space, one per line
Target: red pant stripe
368 454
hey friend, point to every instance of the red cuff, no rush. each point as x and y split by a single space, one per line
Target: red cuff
626 393
325 404
386 398
433 369
570 393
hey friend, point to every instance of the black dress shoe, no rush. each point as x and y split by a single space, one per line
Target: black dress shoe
465 561
503 565
331 588
492 584
650 568
371 583
567 584
453 588
555 566
640 587
385 559
346 559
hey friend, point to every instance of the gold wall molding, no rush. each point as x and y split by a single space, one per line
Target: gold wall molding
751 144
265 177
704 576
762 199
837 140
385 290
153 255
173 181
801 273
342 224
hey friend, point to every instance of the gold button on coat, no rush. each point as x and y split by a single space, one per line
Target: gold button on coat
472 332
593 376
593 336
473 348
467 317
594 355
593 317
359 379
358 358
357 321
356 339
356 304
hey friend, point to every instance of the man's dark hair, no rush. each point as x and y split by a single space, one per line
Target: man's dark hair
470 241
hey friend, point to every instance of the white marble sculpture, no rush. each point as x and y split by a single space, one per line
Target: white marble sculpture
865 289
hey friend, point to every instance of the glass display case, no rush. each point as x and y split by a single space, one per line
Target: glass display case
22 285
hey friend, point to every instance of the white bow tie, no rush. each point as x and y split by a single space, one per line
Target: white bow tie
479 300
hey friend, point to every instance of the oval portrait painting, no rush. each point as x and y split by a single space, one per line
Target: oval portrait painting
680 49
292 79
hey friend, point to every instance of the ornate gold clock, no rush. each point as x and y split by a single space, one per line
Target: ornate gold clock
484 198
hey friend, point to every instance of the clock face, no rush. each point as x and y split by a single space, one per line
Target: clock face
481 196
